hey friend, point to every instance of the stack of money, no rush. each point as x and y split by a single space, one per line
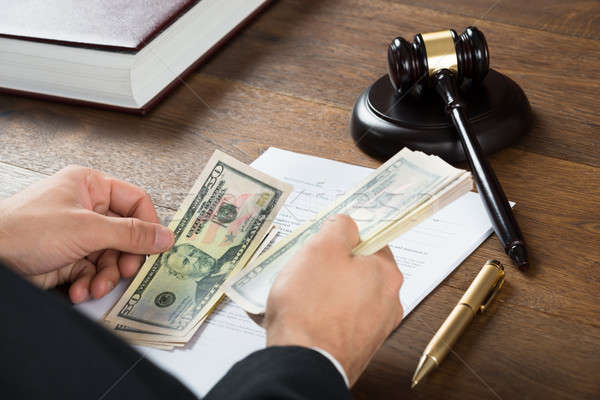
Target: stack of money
226 222
218 228
401 193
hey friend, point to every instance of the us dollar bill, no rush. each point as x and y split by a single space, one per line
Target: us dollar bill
398 189
168 342
217 229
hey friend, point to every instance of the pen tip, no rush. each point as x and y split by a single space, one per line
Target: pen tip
414 383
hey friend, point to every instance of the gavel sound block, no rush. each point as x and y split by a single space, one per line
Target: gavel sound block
386 118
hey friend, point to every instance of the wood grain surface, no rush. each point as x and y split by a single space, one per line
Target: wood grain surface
290 80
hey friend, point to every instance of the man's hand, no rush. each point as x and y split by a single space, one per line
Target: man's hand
328 298
82 227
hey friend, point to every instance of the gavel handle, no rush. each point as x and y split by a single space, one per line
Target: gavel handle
494 199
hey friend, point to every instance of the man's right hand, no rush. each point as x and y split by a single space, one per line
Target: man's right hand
329 298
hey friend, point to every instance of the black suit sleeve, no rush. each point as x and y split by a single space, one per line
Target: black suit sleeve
49 350
294 373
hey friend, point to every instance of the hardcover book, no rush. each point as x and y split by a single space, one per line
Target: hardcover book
119 54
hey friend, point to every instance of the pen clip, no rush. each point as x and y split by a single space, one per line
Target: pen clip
493 292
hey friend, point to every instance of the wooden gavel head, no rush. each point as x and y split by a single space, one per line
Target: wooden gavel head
410 64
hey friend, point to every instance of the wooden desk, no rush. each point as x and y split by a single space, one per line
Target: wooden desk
290 80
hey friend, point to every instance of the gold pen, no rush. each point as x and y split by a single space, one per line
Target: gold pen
477 298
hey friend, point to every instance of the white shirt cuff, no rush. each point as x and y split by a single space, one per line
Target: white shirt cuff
335 362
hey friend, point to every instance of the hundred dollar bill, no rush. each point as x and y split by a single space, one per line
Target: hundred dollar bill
217 229
400 188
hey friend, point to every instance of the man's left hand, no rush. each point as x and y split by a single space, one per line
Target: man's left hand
80 226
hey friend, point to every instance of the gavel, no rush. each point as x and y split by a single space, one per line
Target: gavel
442 61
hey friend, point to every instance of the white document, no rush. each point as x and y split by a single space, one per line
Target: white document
425 255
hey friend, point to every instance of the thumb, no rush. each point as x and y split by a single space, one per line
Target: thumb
132 235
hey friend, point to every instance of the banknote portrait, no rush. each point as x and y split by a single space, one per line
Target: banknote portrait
186 261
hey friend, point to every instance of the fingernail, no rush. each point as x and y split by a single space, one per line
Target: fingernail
85 294
164 239
109 286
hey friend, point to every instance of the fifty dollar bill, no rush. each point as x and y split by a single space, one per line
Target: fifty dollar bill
217 229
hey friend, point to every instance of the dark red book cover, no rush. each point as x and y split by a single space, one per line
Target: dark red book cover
125 25
110 25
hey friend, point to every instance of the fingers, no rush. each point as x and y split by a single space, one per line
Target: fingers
107 274
131 201
140 233
114 197
386 254
93 257
393 278
386 258
130 235
341 229
81 275
129 264
106 193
